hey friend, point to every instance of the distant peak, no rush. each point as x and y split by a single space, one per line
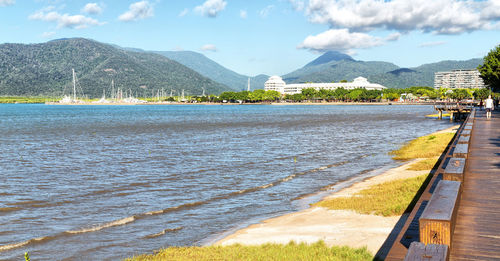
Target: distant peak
328 57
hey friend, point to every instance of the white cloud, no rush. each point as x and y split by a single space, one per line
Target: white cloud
137 11
265 12
48 34
393 37
211 8
339 40
243 14
183 12
430 44
209 47
64 20
92 8
436 16
7 2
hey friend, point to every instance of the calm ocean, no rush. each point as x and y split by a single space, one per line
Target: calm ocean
108 182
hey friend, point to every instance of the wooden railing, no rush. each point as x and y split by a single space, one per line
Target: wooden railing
434 216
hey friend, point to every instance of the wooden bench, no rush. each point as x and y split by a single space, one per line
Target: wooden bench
437 222
463 139
461 151
420 252
454 170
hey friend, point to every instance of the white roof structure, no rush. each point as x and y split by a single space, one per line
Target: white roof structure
277 84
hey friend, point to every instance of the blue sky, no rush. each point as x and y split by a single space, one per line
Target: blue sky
271 37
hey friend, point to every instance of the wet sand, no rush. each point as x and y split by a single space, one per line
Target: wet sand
334 227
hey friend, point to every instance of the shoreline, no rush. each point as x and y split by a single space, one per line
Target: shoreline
334 227
247 104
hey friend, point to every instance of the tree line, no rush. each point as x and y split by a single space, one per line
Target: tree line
354 95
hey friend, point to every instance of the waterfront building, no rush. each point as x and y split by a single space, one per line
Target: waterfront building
275 83
458 79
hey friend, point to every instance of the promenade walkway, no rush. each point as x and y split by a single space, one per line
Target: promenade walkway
477 228
477 231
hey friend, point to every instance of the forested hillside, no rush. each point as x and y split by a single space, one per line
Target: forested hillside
45 69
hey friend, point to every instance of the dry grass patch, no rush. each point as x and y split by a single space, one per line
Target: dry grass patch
291 251
429 146
387 199
426 164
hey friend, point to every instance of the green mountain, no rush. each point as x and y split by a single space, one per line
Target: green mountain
335 66
210 69
422 75
45 69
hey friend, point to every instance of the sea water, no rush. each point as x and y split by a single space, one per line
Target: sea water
109 182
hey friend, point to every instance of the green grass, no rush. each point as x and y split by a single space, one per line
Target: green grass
424 147
426 164
15 99
387 199
291 251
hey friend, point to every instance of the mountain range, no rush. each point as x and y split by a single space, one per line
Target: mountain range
208 68
45 69
334 67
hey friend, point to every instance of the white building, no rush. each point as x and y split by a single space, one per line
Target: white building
458 79
275 83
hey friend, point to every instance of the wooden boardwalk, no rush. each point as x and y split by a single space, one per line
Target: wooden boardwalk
477 231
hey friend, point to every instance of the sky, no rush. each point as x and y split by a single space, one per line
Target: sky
271 37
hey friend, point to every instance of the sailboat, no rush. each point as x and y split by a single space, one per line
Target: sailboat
103 98
68 98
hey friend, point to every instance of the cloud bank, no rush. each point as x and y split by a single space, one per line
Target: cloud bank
340 40
92 8
211 8
350 21
64 20
137 11
437 16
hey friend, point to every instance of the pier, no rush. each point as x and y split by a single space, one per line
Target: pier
457 111
457 217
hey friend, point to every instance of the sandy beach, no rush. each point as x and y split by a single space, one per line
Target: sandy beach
334 227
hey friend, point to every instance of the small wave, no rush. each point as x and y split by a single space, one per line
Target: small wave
176 208
168 230
115 223
9 209
27 242
30 202
288 178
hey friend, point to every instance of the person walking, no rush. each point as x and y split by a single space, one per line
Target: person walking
489 106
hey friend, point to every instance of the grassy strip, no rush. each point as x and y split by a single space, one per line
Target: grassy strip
15 99
387 199
426 164
394 197
291 251
429 146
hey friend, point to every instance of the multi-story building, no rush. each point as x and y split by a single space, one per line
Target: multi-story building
277 84
458 79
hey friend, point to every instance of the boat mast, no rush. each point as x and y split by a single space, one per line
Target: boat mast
112 89
74 85
248 87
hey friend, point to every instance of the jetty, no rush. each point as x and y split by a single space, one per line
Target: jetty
457 217
457 110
